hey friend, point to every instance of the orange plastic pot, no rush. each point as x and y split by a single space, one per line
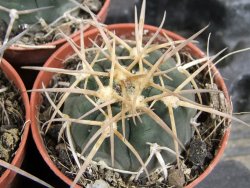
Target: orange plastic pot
11 74
65 51
23 56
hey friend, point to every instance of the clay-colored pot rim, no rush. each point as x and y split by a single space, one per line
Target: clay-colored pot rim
13 76
127 26
101 16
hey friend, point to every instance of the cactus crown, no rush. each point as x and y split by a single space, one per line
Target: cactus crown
128 92
130 103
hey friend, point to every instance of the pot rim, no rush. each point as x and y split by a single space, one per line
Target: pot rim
125 26
101 15
12 75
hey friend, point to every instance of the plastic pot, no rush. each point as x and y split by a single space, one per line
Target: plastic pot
11 74
66 50
23 56
18 56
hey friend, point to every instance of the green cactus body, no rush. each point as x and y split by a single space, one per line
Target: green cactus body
49 15
141 133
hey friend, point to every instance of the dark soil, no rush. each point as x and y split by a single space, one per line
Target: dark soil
200 151
43 34
11 119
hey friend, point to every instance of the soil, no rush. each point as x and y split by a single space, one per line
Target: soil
11 119
200 151
44 33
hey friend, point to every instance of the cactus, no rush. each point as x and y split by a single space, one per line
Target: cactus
58 7
16 15
138 132
132 103
44 17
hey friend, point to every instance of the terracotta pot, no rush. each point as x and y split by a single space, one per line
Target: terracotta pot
66 50
8 175
22 56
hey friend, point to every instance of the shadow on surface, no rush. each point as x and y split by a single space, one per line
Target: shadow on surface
228 174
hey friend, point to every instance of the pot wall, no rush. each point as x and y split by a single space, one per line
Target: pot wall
8 176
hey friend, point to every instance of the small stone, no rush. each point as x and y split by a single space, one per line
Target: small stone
65 28
4 154
197 152
94 5
9 139
99 184
176 178
62 154
39 35
109 176
101 170
25 39
117 175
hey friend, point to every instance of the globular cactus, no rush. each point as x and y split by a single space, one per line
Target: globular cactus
50 10
132 103
131 88
19 15
43 18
